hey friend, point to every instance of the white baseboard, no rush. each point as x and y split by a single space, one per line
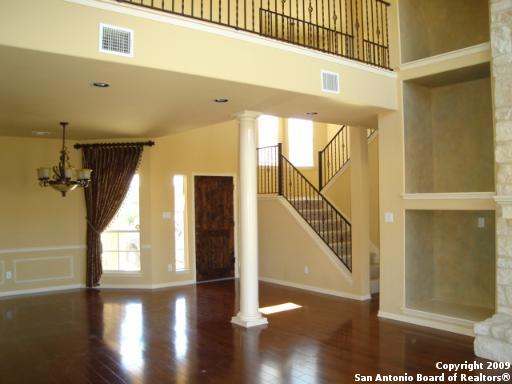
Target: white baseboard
41 290
430 323
147 286
311 288
105 286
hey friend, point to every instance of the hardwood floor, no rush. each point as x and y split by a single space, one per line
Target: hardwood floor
183 335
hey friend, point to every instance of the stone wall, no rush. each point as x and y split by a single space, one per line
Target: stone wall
494 336
501 40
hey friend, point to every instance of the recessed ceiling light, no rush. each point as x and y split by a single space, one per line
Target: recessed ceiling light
40 133
101 84
221 100
311 113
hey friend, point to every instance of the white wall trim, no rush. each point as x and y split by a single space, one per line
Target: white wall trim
41 290
147 286
449 196
479 48
133 10
427 322
311 288
41 249
26 260
503 199
318 241
438 317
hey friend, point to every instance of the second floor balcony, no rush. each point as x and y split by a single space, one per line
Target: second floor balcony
354 29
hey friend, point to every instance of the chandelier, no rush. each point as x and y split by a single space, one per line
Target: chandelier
65 178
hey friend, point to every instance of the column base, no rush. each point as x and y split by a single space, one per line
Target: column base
493 339
248 322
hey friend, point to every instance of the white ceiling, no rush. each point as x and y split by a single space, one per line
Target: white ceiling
39 89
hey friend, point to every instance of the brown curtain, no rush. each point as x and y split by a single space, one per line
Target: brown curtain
112 170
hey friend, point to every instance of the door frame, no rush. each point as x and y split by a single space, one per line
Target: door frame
193 218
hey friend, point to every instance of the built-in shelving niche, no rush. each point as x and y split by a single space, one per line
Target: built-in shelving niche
450 263
449 132
432 27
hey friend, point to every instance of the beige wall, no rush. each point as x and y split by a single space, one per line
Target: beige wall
37 218
373 193
393 173
431 27
206 151
462 114
228 58
38 224
38 227
285 248
339 192
449 137
419 171
419 263
450 259
393 237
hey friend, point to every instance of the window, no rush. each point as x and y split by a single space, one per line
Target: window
268 128
300 142
181 261
121 239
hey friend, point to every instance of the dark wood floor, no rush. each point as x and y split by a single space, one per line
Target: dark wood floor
183 335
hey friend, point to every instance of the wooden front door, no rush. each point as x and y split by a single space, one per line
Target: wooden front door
215 241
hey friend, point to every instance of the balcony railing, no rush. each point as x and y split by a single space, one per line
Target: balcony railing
354 29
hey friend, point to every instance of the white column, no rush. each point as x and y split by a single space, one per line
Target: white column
249 300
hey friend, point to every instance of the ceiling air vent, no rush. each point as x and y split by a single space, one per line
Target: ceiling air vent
330 82
116 40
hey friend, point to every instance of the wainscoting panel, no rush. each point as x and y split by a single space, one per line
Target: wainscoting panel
37 269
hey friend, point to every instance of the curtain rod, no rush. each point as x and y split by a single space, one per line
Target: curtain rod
131 144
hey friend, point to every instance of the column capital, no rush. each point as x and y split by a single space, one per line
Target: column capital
247 115
505 202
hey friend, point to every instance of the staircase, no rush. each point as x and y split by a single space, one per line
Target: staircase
277 175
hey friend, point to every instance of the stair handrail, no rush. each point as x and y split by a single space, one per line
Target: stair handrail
277 175
326 169
344 156
315 189
343 253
